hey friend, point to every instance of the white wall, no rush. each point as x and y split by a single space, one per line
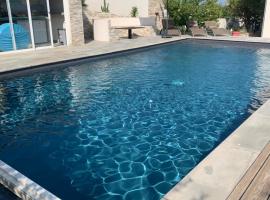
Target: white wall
266 22
102 26
102 30
120 7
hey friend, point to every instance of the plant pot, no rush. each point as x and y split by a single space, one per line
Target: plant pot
235 33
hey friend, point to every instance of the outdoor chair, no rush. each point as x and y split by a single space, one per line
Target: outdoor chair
196 31
172 29
213 29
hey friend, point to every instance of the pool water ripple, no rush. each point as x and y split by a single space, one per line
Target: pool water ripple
132 126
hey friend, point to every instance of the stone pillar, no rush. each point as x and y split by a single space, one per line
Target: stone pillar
156 9
266 21
74 22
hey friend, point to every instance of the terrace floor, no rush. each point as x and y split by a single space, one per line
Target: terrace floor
256 182
25 59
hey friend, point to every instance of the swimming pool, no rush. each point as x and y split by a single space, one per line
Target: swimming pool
131 126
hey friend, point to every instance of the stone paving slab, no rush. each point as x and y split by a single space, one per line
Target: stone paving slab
237 39
22 186
21 60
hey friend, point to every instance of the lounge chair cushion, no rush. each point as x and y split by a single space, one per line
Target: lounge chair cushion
220 32
172 29
211 24
196 31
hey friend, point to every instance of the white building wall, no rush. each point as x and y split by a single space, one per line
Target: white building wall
266 22
120 7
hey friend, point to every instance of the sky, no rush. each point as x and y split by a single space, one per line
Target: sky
222 1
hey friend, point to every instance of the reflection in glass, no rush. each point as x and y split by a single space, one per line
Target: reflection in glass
21 24
57 19
6 43
41 27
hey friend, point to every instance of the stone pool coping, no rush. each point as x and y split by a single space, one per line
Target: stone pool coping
18 61
22 186
215 177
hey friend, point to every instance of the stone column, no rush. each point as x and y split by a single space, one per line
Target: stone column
156 9
266 21
74 22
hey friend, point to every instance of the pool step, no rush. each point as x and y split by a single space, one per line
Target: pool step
22 186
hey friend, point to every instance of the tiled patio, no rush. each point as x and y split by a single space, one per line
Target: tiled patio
19 60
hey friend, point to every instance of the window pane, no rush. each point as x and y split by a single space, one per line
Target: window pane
5 28
57 16
40 19
21 24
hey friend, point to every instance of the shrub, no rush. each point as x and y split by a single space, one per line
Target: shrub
105 7
251 11
183 11
134 12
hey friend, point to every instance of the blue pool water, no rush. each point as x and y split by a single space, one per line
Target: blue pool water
129 127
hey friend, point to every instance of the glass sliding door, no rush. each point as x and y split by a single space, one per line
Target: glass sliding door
41 22
7 39
21 24
25 24
58 20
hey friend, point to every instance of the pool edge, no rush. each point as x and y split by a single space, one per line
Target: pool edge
93 57
99 56
216 176
22 186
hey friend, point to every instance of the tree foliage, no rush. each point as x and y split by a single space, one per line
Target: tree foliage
183 11
251 11
209 10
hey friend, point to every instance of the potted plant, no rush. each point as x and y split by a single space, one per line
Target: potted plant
236 32
134 12
235 29
105 7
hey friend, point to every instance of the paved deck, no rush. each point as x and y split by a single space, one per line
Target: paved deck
19 60
256 182
26 59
